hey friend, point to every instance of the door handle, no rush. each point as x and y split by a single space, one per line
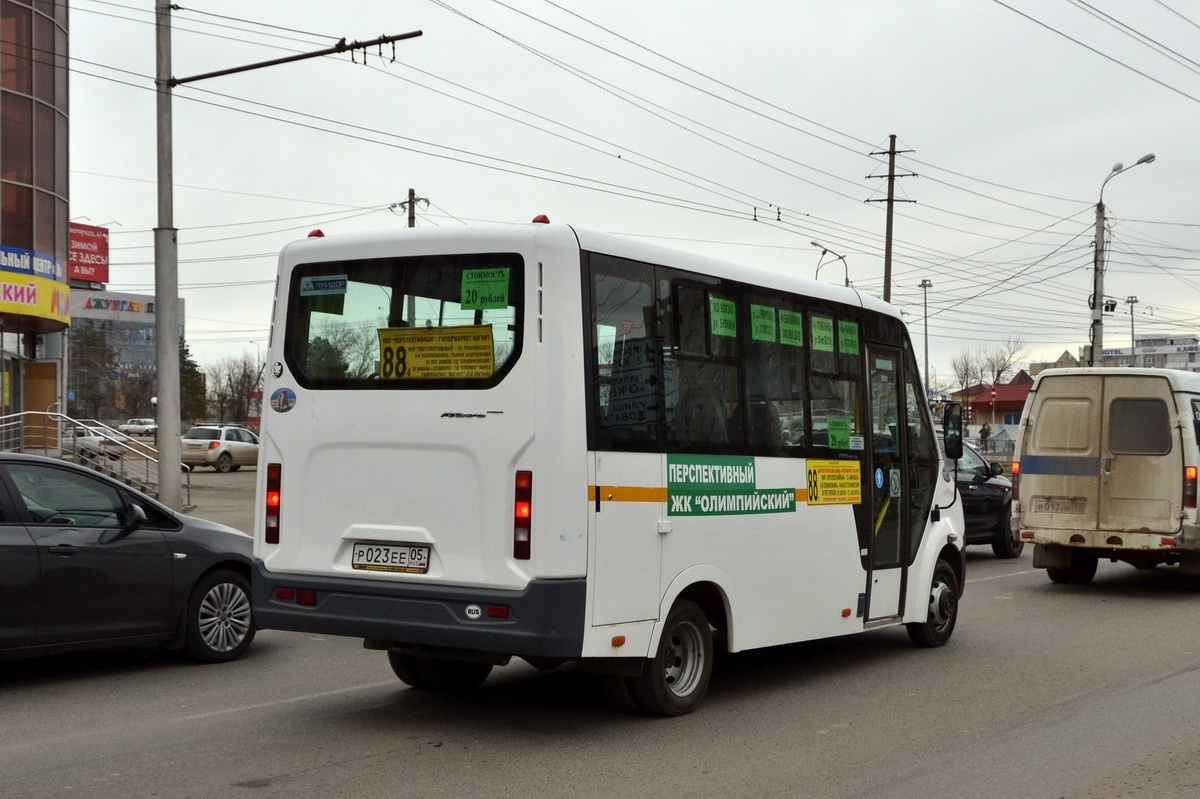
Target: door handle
63 549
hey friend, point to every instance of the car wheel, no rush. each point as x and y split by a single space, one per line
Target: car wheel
1007 543
674 681
235 467
220 625
224 463
943 609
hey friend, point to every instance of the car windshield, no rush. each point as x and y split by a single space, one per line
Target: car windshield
203 433
972 463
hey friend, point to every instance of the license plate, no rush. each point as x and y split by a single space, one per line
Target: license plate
1074 505
405 558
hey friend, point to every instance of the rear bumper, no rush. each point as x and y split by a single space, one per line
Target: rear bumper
546 619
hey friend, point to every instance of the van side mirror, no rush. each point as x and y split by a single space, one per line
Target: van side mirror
952 430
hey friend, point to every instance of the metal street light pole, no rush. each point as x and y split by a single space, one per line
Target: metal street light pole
1132 300
1096 353
926 284
824 250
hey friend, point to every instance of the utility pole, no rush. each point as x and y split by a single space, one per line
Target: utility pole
411 205
926 285
166 256
891 153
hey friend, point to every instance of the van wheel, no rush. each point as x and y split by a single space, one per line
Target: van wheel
943 609
1007 543
453 676
674 681
1081 571
407 669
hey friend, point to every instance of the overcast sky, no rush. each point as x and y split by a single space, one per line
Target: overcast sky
740 129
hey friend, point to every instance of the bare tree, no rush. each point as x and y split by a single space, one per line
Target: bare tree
231 381
997 364
968 369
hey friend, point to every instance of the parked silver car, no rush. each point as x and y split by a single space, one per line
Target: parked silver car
225 448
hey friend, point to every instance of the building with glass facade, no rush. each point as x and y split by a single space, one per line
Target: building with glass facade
34 293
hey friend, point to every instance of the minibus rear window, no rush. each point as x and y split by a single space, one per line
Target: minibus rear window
433 321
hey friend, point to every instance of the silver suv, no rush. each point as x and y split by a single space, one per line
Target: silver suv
225 448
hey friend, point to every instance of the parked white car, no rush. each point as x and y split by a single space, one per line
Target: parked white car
88 442
138 427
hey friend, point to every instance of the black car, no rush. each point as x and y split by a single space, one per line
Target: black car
87 562
987 504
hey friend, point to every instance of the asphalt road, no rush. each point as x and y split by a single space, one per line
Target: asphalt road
1044 691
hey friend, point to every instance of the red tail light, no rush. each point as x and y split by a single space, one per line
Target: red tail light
1189 486
1016 480
214 444
273 501
522 515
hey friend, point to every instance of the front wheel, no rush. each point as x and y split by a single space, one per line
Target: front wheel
220 626
942 612
674 681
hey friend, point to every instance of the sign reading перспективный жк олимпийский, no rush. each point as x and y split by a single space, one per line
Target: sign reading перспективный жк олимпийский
711 485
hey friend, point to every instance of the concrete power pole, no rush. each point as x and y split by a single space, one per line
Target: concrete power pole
891 153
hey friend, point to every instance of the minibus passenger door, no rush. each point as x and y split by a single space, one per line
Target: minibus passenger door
887 485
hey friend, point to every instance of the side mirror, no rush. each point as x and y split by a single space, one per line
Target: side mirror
996 469
952 428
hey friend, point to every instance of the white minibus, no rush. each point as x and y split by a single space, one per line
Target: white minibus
541 442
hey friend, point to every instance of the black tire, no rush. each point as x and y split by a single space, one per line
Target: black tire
674 681
234 467
407 668
1008 544
451 676
220 625
224 463
1081 571
942 613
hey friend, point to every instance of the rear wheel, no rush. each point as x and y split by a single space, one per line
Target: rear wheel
1081 571
450 676
224 462
674 681
943 609
1007 543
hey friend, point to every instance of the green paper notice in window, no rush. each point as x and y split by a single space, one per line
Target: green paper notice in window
848 338
791 328
839 433
723 314
822 334
484 288
762 323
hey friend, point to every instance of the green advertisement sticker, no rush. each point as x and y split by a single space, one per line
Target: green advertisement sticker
762 323
822 334
839 433
721 485
791 328
848 337
484 288
724 316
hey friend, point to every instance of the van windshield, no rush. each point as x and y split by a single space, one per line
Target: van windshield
436 321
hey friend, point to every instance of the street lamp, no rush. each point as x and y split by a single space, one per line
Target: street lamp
824 250
925 286
1095 355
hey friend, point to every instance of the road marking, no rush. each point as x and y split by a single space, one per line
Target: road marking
1003 576
289 701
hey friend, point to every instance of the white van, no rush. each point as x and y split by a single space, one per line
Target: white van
1106 468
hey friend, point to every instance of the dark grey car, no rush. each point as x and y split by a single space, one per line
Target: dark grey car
87 562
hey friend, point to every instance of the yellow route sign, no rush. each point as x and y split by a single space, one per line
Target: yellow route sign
834 482
433 353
